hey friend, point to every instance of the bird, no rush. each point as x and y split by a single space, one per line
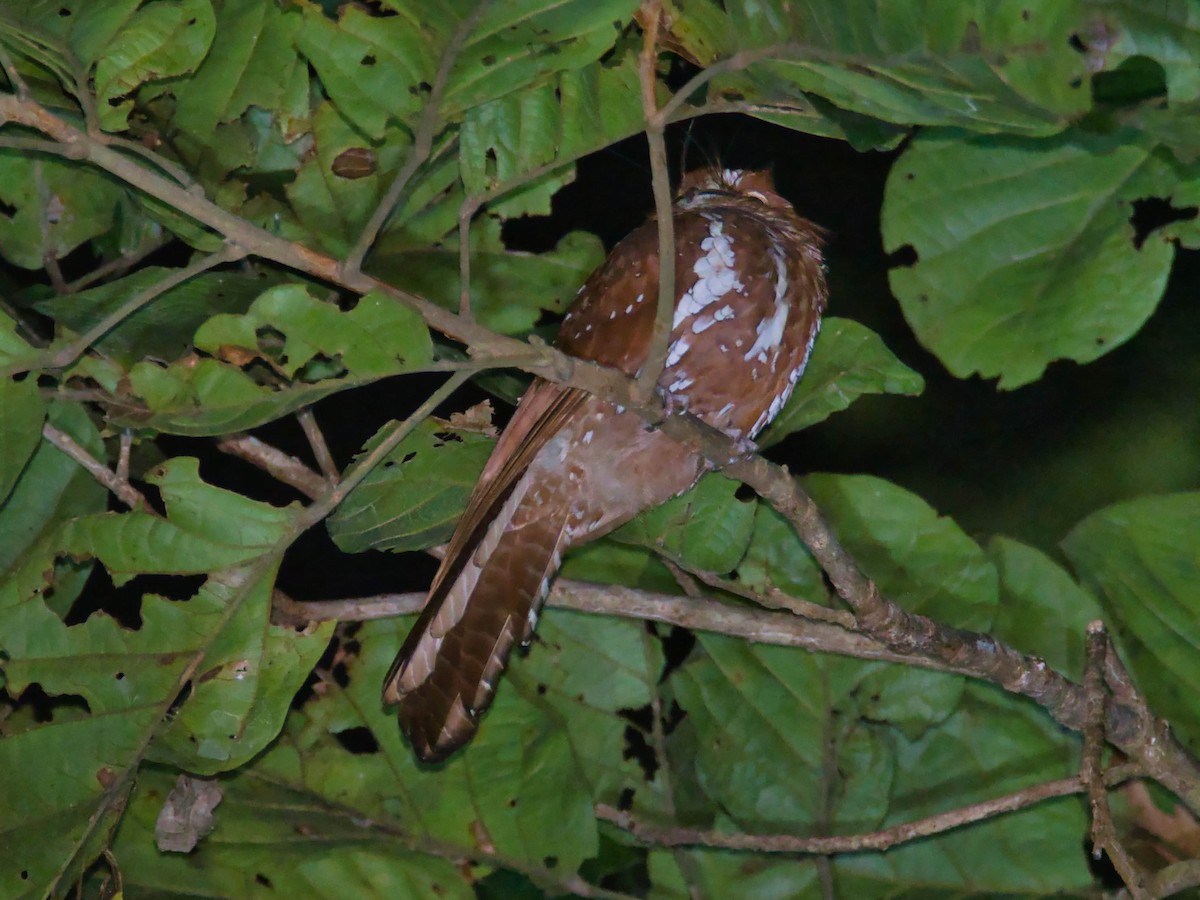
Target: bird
570 466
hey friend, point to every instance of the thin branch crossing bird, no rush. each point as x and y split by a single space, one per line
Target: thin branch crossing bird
570 467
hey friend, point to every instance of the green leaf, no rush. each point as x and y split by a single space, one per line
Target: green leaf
164 38
1142 558
375 68
377 338
587 670
83 26
55 207
323 349
254 849
1025 252
331 209
78 770
243 689
997 67
509 289
163 329
706 528
777 559
490 802
921 560
848 361
22 412
992 745
517 45
53 488
16 355
206 529
583 111
1043 610
775 729
257 65
414 497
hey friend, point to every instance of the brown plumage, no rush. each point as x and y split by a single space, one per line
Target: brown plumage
570 467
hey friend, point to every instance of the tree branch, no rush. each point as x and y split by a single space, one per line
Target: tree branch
125 492
660 178
282 466
675 836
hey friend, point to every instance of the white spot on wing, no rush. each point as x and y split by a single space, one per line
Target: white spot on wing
715 273
676 350
681 382
770 330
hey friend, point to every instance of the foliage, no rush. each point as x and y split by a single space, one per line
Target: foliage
1028 134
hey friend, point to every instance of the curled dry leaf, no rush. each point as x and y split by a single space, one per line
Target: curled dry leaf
187 814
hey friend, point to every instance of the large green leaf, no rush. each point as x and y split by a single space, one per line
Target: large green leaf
22 411
381 68
1042 611
987 66
164 38
848 361
412 499
163 329
51 207
509 289
582 111
52 489
75 772
780 742
317 348
1142 558
992 745
330 209
921 560
705 528
257 65
254 850
1024 249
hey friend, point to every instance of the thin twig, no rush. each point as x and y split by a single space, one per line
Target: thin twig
1175 878
19 87
67 354
773 598
123 452
120 265
661 182
57 282
316 442
431 118
875 840
280 465
124 491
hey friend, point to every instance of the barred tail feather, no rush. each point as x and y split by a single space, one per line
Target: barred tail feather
446 674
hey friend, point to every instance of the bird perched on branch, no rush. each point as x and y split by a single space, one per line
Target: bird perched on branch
570 467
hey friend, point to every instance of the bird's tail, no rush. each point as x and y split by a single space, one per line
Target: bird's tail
485 600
